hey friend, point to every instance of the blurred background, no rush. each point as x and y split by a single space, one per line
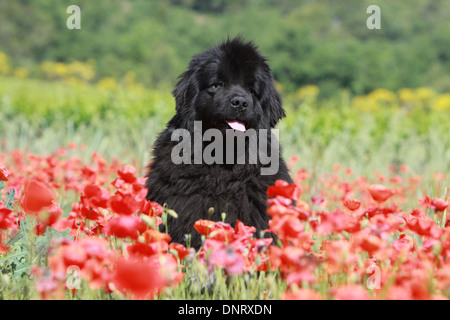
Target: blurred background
366 99
325 43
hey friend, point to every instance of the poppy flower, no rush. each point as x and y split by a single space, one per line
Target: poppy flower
140 249
180 249
437 204
73 255
94 247
155 236
127 173
226 257
371 244
380 193
7 219
352 204
137 276
97 196
3 173
36 196
151 208
124 203
48 218
403 243
242 230
203 226
222 231
123 226
284 189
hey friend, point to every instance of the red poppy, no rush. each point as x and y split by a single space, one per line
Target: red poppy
224 256
3 173
138 276
127 173
151 208
155 236
242 230
123 226
124 204
284 189
180 249
36 196
97 196
352 204
73 255
380 193
222 232
140 249
437 204
94 247
203 226
371 244
7 219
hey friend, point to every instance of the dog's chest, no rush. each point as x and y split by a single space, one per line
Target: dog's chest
220 182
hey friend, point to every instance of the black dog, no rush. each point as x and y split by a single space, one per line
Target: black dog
227 87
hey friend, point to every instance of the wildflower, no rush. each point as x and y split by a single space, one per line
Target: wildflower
380 193
123 226
36 196
3 173
352 204
284 189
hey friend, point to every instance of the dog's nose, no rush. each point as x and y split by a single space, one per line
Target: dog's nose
239 102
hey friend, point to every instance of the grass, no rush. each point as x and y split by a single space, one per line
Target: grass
40 117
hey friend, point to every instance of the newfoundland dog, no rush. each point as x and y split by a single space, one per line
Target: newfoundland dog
218 154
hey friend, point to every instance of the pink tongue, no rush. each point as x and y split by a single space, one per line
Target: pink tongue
237 125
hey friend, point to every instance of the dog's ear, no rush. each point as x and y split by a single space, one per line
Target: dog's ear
272 103
181 91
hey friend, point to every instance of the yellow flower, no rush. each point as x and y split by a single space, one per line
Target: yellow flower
309 92
442 102
425 94
107 83
383 96
82 70
4 63
21 72
406 95
60 69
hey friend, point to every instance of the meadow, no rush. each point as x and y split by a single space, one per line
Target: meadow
372 178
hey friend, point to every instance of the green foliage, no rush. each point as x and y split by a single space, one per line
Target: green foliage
325 43
42 116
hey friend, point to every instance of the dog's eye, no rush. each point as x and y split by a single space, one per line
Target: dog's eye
252 91
217 85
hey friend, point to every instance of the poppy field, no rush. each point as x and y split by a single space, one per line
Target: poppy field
366 218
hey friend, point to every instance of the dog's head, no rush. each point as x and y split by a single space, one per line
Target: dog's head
229 86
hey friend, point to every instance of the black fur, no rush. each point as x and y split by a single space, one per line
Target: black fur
238 190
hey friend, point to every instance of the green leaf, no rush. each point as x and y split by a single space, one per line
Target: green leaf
10 199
